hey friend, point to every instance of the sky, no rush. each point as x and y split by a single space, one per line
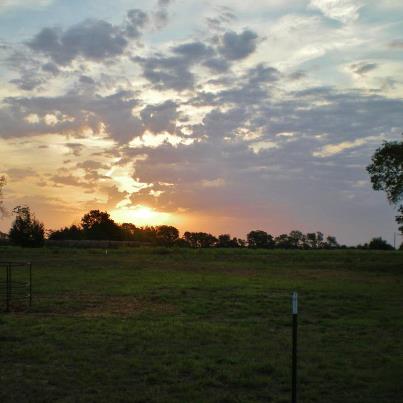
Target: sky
221 116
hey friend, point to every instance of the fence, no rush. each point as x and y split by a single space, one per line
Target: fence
16 283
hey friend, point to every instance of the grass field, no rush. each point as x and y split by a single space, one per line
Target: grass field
161 325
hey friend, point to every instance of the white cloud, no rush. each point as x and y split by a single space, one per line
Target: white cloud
342 10
332 149
213 183
6 5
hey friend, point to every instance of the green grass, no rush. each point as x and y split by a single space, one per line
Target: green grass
169 325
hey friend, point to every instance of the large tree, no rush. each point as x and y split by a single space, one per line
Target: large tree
98 225
259 239
26 229
167 235
386 171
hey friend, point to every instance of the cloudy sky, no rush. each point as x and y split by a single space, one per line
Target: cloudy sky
221 116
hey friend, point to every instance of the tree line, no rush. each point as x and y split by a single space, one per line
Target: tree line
97 225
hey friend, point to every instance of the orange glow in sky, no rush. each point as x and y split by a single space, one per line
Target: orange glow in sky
140 216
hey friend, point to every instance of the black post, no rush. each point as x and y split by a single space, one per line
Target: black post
294 345
8 287
30 284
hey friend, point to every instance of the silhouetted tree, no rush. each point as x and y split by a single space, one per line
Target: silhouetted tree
225 241
181 243
98 225
147 234
241 243
386 172
282 241
129 231
26 230
331 242
167 235
260 239
73 232
296 239
199 239
379 243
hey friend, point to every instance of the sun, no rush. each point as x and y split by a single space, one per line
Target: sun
144 213
140 215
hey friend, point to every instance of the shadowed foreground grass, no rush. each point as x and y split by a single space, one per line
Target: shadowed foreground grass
165 325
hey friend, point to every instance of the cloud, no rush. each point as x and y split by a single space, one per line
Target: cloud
193 51
71 113
51 68
20 173
160 15
344 11
235 46
362 68
167 72
160 118
136 21
91 39
6 5
222 18
333 149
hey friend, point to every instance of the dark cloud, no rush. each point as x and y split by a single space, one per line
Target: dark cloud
91 39
235 46
16 174
51 68
27 82
161 15
262 74
167 72
217 64
193 51
136 21
362 68
76 148
90 168
69 180
159 118
73 112
174 71
86 80
298 75
223 17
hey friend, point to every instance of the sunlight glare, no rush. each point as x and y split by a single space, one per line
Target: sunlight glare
140 215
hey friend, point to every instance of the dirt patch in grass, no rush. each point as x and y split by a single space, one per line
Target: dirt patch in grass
89 305
122 306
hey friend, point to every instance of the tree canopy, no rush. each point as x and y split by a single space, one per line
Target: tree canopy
386 170
26 229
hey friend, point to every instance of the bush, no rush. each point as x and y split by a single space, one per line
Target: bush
26 231
380 244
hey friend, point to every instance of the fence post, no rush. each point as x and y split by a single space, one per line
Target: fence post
8 290
30 284
294 299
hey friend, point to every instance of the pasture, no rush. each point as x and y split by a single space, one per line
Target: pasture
180 325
